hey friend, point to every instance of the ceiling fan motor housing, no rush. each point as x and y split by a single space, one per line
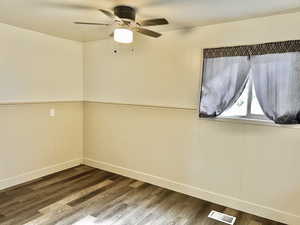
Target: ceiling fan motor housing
125 12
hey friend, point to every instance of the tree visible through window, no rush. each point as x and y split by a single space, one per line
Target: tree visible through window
247 106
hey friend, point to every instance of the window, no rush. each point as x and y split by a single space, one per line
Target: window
247 106
274 69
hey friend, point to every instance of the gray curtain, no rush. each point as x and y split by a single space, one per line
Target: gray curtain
277 84
223 81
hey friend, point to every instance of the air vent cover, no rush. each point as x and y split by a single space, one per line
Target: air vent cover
222 217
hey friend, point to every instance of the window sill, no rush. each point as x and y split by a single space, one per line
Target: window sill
253 122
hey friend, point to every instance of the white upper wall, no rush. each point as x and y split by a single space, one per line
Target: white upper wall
167 71
39 67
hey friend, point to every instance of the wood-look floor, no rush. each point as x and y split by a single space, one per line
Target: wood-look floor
86 196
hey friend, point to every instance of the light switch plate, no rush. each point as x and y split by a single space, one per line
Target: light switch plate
52 112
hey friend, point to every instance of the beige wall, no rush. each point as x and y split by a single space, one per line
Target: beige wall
36 67
39 67
248 167
34 144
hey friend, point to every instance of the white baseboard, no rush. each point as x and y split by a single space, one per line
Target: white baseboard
228 201
9 182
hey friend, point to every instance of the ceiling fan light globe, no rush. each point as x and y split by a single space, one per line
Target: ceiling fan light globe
122 35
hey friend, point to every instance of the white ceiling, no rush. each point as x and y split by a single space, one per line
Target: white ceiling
55 17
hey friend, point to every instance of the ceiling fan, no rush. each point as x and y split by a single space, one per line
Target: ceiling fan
125 19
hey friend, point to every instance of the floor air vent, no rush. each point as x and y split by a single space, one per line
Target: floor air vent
222 217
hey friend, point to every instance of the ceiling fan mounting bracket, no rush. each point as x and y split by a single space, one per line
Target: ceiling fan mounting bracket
125 12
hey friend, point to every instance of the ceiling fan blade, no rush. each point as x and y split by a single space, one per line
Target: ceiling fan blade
112 16
147 32
154 22
97 24
107 13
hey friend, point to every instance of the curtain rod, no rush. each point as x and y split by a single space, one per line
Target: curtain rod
256 49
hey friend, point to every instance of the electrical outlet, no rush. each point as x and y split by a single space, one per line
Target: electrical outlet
52 112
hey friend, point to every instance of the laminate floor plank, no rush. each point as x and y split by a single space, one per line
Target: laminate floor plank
4 198
46 178
137 211
131 194
167 216
189 211
92 205
75 196
197 212
30 195
142 208
61 177
85 195
244 219
162 209
135 206
202 217
93 194
44 200
35 197
21 218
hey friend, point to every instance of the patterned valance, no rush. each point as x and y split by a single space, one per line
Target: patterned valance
248 50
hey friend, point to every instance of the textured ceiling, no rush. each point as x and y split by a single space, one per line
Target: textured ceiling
55 17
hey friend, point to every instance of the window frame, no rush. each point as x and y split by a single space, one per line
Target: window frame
250 118
249 115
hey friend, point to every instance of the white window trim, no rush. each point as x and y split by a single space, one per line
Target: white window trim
244 120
